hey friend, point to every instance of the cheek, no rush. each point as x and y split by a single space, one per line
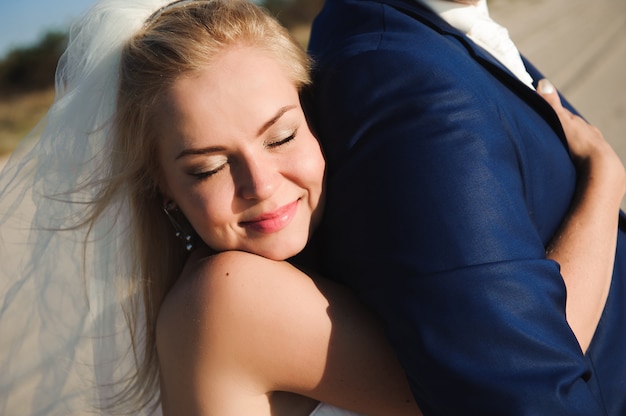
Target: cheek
209 208
316 190
313 168
317 172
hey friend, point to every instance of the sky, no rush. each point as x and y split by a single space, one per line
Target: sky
22 23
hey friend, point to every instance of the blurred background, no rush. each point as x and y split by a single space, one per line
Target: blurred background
579 44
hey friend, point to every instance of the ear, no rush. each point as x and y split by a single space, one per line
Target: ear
168 202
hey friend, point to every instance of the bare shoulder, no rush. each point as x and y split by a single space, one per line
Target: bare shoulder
210 286
225 300
208 333
244 318
229 275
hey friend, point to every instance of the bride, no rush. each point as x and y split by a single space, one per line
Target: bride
145 224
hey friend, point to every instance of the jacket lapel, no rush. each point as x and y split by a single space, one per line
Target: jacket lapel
422 13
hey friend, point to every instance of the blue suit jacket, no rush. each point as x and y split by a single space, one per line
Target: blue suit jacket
447 177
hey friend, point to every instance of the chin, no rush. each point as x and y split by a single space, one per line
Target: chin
283 250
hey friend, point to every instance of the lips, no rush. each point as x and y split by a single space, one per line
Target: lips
274 221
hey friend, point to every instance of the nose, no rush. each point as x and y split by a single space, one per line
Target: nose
258 178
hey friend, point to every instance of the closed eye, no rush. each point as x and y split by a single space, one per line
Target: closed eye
209 173
281 142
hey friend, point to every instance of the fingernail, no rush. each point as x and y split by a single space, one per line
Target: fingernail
544 86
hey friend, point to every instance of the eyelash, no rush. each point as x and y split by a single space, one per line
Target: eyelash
282 142
204 175
272 145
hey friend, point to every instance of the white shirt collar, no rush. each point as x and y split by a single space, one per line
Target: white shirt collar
475 22
458 15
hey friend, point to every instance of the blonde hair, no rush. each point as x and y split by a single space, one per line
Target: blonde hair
180 40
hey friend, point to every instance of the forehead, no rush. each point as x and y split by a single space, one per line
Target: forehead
240 89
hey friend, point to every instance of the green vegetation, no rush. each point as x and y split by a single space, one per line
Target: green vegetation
29 69
27 87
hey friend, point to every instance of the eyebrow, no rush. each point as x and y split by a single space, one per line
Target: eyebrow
274 119
202 151
212 149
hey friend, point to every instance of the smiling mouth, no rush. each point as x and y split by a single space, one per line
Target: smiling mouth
274 221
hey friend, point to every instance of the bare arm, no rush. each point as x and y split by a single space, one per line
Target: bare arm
585 244
240 327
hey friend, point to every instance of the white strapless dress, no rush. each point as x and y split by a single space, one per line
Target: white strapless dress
325 409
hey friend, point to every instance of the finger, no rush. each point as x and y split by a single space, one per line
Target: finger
548 92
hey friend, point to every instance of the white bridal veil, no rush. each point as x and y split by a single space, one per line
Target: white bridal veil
63 339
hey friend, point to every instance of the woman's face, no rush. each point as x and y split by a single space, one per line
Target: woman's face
238 157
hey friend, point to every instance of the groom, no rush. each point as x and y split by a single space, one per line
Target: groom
447 176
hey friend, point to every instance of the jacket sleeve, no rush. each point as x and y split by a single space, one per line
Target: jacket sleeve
443 189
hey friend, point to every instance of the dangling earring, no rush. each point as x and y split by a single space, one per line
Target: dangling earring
186 237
